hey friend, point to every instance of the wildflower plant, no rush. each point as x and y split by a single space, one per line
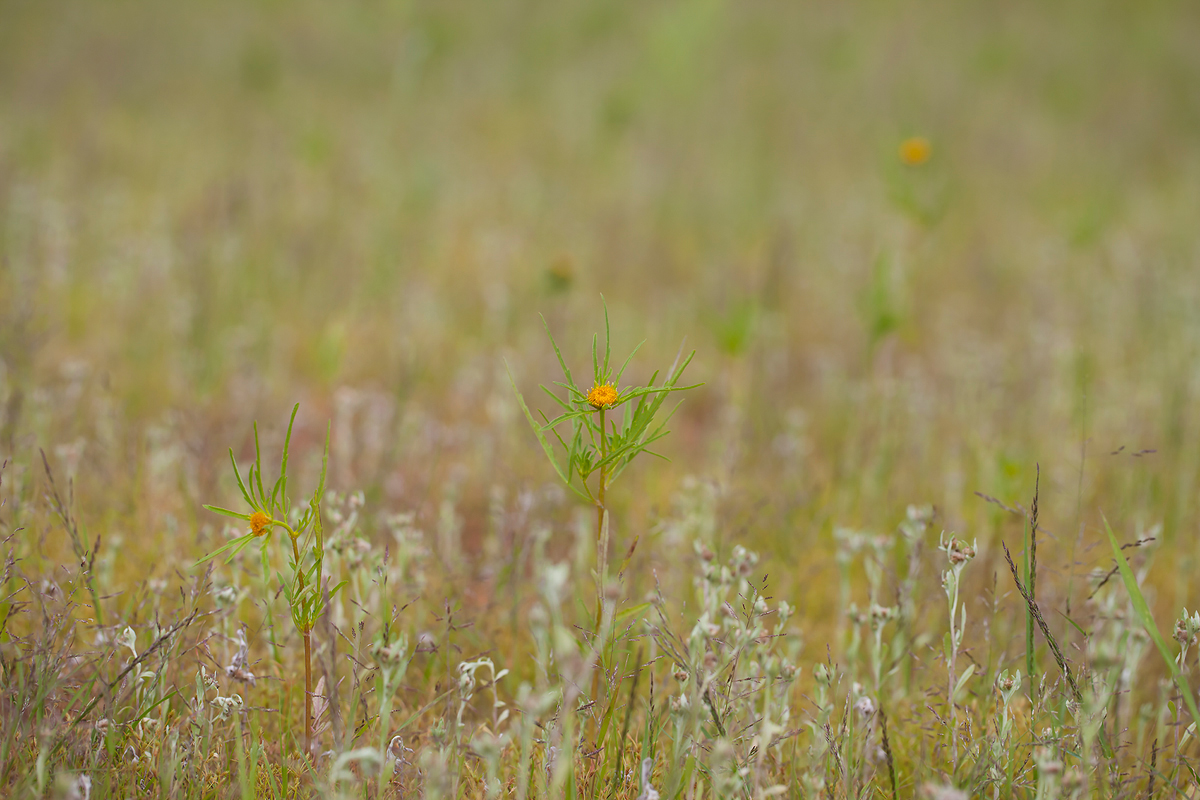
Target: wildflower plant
595 449
305 589
959 554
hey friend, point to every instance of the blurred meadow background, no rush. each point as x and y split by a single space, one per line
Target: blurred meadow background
211 211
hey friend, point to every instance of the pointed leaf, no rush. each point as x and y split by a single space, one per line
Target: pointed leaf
561 418
235 545
962 679
1142 609
242 486
596 360
562 364
320 492
283 464
258 467
607 338
555 397
629 358
630 612
541 436
228 513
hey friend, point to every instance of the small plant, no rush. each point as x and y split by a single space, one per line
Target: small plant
959 554
596 449
305 594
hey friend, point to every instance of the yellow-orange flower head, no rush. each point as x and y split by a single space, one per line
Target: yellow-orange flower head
602 396
259 522
915 150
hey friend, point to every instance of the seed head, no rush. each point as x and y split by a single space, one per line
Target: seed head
865 707
259 522
602 396
958 551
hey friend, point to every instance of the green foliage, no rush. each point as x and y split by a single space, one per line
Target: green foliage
589 442
207 210
306 590
1142 609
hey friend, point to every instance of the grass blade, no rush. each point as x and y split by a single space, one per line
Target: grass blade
241 484
227 512
287 442
1142 609
607 338
562 364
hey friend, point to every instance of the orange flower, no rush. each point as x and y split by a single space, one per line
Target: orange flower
915 150
259 522
602 396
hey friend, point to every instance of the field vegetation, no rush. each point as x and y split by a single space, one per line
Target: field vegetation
921 284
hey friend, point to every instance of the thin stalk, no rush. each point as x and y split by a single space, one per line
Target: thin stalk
1031 583
953 679
308 715
601 569
601 551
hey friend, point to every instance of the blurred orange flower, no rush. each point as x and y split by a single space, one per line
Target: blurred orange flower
915 150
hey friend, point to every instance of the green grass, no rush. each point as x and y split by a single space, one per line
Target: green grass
212 211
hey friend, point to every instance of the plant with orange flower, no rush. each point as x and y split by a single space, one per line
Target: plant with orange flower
305 589
593 442
597 447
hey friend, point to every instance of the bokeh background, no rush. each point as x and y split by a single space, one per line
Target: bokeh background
212 210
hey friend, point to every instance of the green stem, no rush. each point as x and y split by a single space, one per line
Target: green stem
601 550
308 715
1029 643
601 569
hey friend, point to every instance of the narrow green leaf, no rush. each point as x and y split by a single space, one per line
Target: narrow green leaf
153 706
625 614
555 397
596 361
1142 609
606 720
621 371
243 543
1074 625
258 467
283 464
607 339
320 492
540 434
962 680
576 441
562 364
235 545
228 513
575 390
561 418
242 486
